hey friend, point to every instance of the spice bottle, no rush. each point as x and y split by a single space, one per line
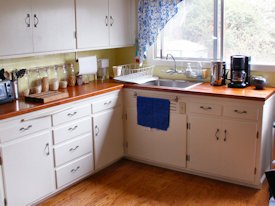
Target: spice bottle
71 76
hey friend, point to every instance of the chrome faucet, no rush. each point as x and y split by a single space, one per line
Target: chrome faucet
172 70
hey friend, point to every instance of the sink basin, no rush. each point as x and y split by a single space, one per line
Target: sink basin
172 83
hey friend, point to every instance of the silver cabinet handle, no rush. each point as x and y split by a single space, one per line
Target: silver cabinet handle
36 20
240 112
112 21
28 20
23 129
205 108
73 149
225 135
73 128
47 149
107 103
106 20
97 130
71 114
74 170
217 134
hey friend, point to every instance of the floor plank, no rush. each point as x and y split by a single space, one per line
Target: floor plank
130 183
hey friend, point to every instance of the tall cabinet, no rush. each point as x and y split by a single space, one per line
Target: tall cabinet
30 26
103 24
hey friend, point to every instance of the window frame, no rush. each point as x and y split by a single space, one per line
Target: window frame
217 48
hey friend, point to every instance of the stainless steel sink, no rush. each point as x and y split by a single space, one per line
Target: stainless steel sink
172 83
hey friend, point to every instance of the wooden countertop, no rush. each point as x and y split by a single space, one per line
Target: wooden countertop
19 107
249 93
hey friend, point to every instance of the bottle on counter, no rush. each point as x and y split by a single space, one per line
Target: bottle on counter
54 81
44 79
63 77
71 76
24 85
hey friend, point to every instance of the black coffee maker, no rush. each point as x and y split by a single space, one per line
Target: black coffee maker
240 71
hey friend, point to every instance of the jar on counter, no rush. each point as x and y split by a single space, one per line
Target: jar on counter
53 78
35 81
44 79
24 85
63 77
71 76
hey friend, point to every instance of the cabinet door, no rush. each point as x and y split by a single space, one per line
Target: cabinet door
165 147
28 169
16 27
204 144
108 137
53 25
92 23
120 22
239 150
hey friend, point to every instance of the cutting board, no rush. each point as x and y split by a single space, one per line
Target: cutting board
45 97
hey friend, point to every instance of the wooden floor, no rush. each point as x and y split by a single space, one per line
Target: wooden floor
131 183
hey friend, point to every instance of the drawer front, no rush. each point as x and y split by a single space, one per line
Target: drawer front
68 131
241 112
14 129
205 108
71 114
74 170
73 149
105 104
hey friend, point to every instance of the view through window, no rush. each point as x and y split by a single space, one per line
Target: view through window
195 32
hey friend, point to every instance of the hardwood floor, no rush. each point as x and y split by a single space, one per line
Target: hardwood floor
131 183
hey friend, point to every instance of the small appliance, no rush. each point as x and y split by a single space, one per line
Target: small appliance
6 91
218 73
240 71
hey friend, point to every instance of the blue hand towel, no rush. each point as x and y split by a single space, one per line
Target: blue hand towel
153 112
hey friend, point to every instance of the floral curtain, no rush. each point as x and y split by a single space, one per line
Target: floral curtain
152 17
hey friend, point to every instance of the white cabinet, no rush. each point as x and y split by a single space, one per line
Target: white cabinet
166 148
108 135
36 26
222 146
28 168
103 24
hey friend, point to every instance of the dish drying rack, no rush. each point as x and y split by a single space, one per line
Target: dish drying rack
134 73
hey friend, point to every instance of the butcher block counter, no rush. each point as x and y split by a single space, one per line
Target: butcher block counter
19 107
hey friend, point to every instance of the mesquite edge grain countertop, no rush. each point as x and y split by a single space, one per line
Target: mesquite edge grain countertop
19 107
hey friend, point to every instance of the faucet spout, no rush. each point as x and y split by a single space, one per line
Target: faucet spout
175 66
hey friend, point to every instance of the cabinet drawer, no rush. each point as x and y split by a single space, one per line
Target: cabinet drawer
205 108
73 129
71 114
241 112
73 149
105 104
13 129
74 170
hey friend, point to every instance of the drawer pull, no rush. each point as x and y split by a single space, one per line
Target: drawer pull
240 112
73 128
74 170
23 129
225 135
205 108
73 149
97 130
107 103
217 134
71 114
47 149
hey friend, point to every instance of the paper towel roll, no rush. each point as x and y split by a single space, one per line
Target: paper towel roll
87 65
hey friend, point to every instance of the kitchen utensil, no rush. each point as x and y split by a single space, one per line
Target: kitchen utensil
218 74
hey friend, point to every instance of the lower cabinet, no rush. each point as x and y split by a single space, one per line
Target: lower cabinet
108 137
28 169
222 147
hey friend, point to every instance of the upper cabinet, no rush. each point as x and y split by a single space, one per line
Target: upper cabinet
105 24
36 26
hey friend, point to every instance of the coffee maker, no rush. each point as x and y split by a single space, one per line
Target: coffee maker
240 71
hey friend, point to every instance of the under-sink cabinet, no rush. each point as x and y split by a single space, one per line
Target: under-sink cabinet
222 138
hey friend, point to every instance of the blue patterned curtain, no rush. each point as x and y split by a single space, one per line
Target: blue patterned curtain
152 17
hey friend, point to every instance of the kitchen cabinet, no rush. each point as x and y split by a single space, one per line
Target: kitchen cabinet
156 146
104 24
28 168
107 131
36 26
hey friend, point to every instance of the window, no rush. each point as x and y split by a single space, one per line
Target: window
216 29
